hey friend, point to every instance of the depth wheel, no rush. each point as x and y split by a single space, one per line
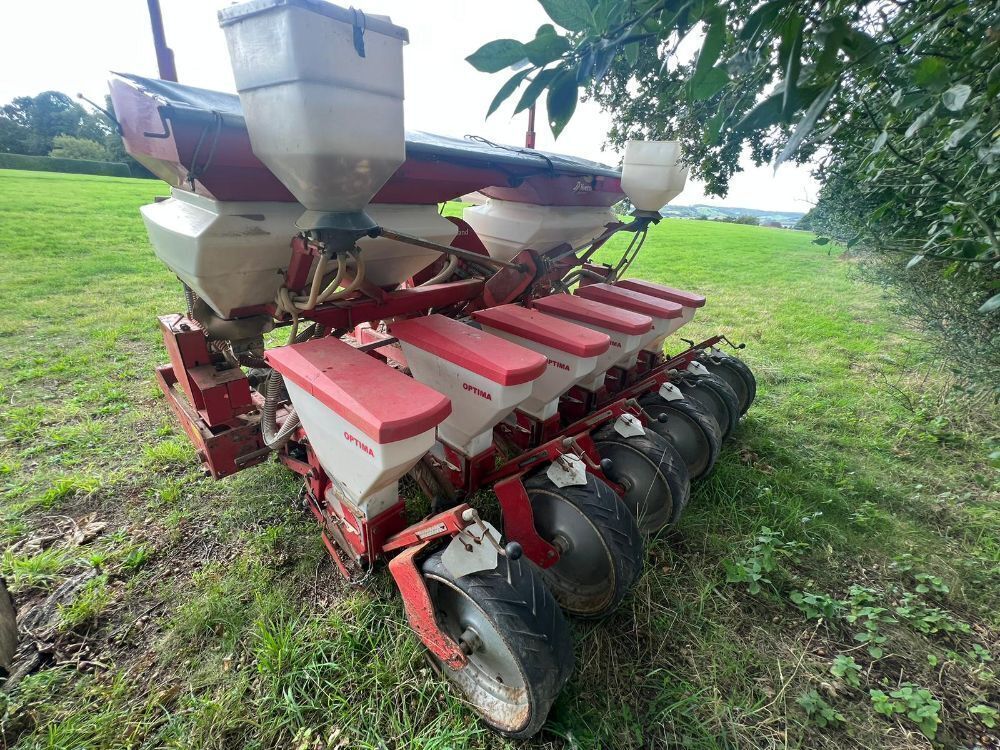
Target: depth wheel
689 428
713 393
520 647
655 477
737 375
600 548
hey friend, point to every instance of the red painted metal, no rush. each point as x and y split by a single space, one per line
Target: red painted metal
224 449
526 431
685 299
544 329
420 609
628 299
379 401
508 285
519 522
218 391
174 143
489 356
164 55
445 523
595 313
347 314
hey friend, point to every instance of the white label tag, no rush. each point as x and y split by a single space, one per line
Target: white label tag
470 551
670 392
567 470
628 425
697 368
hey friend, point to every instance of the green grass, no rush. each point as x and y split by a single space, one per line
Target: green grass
846 542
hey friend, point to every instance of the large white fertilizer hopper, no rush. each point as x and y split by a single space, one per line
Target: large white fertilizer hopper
322 92
653 173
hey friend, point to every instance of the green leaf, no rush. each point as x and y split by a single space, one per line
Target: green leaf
767 112
760 19
561 101
833 32
821 241
860 46
993 81
494 56
715 40
880 142
956 97
993 303
507 89
792 67
931 73
547 46
714 127
631 53
710 84
574 15
807 123
537 85
922 119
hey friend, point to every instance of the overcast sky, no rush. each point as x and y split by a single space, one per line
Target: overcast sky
70 45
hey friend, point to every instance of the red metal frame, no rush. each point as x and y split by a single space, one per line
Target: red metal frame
220 415
224 449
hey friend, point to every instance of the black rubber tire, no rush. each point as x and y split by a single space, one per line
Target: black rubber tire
737 375
653 511
8 632
606 529
687 420
515 601
716 396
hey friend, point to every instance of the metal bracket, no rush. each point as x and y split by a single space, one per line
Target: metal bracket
629 425
697 368
567 470
670 392
469 552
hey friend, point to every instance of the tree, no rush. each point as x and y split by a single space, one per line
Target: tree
912 83
29 123
896 102
71 147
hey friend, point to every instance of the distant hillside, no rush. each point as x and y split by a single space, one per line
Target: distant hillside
785 218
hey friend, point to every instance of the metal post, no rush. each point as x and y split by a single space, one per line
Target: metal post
164 55
529 137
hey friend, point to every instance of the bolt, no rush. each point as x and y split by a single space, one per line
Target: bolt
469 642
562 544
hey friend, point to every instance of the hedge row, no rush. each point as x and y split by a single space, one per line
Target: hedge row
74 166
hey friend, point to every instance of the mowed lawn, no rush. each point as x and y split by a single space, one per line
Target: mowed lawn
834 583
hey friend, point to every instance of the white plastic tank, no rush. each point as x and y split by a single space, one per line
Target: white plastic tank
234 254
508 227
322 93
653 173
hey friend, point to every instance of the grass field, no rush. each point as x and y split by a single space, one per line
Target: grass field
834 583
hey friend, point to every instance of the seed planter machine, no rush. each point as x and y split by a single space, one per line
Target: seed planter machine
488 353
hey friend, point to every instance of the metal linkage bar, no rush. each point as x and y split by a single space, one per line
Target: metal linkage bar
448 250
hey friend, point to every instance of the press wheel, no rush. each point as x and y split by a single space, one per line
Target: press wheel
716 396
520 649
600 548
651 471
689 428
737 376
